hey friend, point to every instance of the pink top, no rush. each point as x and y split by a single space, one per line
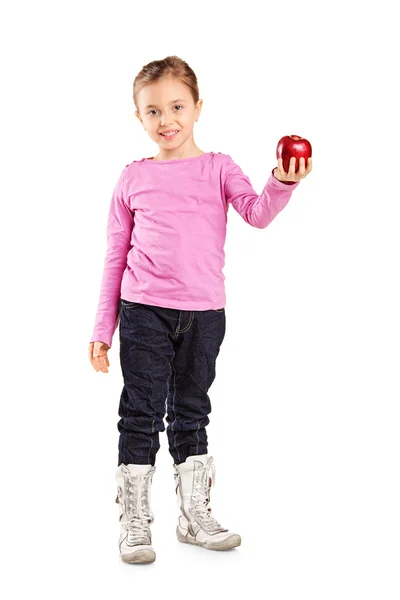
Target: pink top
166 233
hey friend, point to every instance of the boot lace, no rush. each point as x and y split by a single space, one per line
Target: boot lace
204 478
137 508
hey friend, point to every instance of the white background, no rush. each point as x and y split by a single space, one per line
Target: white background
304 426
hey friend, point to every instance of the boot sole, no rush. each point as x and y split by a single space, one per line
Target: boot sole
141 556
231 542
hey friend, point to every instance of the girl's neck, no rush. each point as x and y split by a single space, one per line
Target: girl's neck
184 151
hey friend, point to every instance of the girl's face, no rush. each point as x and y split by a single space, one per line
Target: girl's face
167 105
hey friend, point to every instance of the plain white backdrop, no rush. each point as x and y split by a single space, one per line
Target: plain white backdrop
304 426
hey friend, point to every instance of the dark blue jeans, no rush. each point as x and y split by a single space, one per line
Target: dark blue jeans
168 361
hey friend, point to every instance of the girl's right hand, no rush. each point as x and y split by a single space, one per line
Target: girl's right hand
98 356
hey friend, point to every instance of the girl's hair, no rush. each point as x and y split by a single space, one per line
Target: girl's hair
158 69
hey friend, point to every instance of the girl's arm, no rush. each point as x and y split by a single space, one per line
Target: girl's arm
119 230
257 210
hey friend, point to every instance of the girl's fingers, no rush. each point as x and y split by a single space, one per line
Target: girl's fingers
99 363
281 170
292 166
103 363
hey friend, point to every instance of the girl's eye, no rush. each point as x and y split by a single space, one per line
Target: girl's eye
154 110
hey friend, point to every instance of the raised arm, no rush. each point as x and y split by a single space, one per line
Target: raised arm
257 210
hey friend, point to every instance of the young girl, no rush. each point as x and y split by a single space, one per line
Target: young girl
163 282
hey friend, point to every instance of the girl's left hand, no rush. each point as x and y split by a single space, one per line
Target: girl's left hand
291 176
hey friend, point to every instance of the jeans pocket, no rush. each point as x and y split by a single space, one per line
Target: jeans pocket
218 310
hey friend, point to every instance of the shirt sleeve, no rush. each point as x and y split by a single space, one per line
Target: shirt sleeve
257 210
119 233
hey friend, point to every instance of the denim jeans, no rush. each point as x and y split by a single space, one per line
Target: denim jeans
168 361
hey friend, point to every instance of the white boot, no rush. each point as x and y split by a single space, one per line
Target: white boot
195 524
134 485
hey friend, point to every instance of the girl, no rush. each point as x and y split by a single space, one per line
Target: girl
163 282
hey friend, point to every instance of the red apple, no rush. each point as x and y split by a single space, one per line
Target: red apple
293 145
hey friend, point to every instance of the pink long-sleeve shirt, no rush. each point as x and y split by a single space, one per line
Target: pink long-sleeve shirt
166 233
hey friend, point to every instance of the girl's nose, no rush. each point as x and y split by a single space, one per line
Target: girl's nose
165 120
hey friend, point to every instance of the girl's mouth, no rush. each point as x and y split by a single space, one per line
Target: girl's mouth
169 136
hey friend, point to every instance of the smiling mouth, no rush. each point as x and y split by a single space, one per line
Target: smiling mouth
170 134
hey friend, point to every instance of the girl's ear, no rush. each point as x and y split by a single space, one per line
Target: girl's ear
138 116
198 108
